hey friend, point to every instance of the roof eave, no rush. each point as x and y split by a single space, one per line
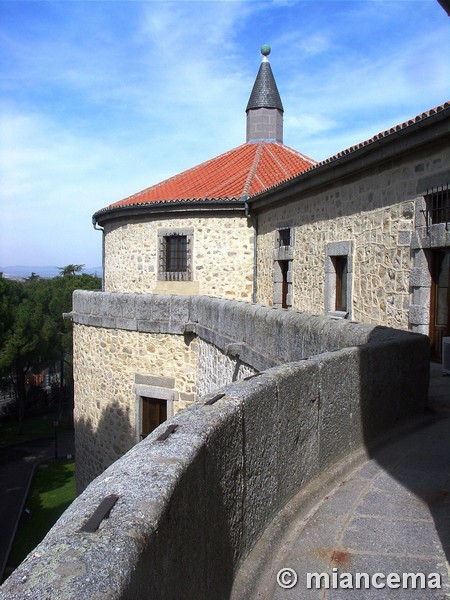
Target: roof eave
169 207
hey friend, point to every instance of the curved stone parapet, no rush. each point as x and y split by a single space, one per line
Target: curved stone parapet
264 336
191 507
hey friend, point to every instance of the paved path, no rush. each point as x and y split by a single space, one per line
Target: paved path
391 515
17 464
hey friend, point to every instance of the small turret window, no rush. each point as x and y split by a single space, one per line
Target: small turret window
175 255
284 237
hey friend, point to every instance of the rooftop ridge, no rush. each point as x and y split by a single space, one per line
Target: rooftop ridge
253 170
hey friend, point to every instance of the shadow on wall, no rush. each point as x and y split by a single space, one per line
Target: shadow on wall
98 447
417 462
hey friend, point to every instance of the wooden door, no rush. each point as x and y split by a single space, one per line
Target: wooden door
439 302
154 412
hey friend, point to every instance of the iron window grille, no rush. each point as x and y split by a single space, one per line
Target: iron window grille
437 202
176 253
175 256
284 237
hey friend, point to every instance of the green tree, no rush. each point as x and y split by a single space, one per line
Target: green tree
11 294
62 291
33 333
31 341
70 270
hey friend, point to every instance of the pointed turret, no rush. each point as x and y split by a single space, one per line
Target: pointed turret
265 109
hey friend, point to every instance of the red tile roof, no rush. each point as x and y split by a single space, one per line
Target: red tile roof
244 171
388 132
362 145
248 170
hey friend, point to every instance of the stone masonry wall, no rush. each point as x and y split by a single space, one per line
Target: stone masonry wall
208 491
216 369
223 248
177 348
376 212
107 364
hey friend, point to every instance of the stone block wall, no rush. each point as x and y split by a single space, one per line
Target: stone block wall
129 345
108 365
208 491
223 248
177 348
376 212
216 368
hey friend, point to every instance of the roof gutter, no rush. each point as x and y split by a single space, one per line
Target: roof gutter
97 228
167 207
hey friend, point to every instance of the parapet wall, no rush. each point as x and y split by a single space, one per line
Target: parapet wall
180 348
191 507
262 337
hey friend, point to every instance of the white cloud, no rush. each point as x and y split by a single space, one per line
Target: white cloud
104 99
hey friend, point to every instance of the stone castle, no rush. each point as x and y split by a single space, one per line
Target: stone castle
281 302
362 236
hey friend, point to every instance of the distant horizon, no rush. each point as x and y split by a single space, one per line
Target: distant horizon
44 271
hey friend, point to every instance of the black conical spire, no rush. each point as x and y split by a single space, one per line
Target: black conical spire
265 109
265 92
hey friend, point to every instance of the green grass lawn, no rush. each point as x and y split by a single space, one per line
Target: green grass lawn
51 492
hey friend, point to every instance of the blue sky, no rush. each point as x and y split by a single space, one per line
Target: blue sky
100 99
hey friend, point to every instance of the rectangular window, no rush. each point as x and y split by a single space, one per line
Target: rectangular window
341 269
284 237
338 279
154 412
282 294
175 254
438 206
283 256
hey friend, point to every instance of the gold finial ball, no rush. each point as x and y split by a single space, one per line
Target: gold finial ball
265 50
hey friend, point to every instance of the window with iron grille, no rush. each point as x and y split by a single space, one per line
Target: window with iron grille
437 206
175 255
284 237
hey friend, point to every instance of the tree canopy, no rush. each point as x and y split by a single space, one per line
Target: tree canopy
70 270
33 333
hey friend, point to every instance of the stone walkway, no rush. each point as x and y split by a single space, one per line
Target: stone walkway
389 516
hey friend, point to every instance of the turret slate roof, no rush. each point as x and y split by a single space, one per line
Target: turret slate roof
265 92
